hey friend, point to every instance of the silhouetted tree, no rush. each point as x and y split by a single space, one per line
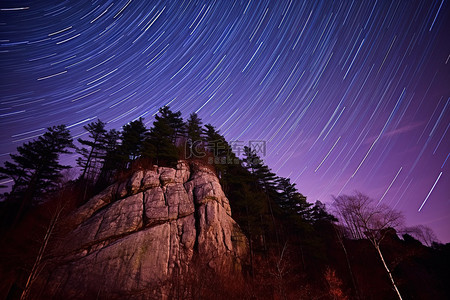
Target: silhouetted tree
133 136
222 155
266 182
250 211
423 233
194 135
291 201
93 155
112 158
319 213
174 120
266 179
367 219
35 170
194 128
217 144
160 142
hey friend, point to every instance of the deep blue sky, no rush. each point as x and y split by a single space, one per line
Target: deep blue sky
347 94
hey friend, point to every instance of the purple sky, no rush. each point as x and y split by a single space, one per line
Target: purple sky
348 95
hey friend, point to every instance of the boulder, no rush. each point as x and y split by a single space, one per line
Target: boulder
166 175
134 185
93 205
150 180
130 239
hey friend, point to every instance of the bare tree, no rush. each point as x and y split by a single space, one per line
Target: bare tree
365 219
423 233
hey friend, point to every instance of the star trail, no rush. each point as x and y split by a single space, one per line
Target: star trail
347 95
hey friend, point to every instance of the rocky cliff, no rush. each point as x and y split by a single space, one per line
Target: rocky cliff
136 236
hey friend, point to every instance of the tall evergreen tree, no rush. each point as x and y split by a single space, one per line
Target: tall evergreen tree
223 156
291 201
111 142
319 213
175 122
93 155
266 182
194 128
265 178
194 136
160 142
35 169
133 136
218 144
112 158
248 209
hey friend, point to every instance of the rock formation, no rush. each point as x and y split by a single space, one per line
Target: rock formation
135 236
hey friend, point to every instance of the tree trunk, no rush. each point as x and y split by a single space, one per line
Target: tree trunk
303 258
273 221
389 272
341 241
250 241
280 274
88 162
37 263
27 199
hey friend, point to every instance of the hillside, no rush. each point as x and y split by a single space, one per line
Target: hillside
176 212
168 233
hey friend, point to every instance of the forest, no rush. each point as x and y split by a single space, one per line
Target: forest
352 249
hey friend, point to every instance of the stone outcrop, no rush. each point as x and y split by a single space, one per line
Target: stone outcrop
135 236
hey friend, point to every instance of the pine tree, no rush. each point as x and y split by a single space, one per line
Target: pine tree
175 122
92 156
111 140
133 136
319 213
218 146
35 169
264 181
194 136
247 207
291 201
160 142
265 178
194 128
112 159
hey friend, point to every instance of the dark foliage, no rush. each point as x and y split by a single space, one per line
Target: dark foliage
160 143
296 249
133 136
35 169
93 152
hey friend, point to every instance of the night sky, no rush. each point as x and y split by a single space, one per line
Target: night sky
347 95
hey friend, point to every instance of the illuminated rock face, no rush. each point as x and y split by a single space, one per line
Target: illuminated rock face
134 237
